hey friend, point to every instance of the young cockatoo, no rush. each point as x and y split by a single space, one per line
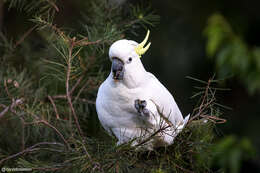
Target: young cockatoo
132 104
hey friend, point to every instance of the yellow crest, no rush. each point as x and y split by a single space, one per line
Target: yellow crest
140 49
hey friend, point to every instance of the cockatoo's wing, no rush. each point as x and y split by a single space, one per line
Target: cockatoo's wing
117 114
163 100
164 109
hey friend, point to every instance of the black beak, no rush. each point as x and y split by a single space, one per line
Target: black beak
117 69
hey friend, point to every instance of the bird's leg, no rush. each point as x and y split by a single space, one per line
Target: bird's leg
140 106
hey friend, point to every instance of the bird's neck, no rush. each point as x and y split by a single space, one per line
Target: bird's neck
132 79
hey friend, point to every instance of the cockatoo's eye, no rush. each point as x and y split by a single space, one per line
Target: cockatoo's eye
129 60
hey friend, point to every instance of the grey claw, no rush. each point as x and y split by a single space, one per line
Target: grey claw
140 107
137 106
146 112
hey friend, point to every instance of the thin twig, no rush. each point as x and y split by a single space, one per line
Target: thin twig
205 95
59 97
84 42
183 169
24 36
2 105
214 119
76 85
152 135
87 101
80 99
6 90
80 91
22 136
4 111
13 105
202 109
68 94
29 149
54 107
203 106
56 130
54 5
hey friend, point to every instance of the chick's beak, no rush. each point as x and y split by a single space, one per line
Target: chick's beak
117 69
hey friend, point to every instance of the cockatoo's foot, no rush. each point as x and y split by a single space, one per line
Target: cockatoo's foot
140 107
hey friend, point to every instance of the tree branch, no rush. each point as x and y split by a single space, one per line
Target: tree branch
27 150
68 94
56 130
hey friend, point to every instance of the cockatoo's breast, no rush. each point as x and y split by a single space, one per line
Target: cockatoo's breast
115 104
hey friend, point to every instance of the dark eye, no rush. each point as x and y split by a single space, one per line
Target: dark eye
129 59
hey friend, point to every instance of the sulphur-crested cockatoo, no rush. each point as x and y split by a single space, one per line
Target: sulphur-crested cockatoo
132 104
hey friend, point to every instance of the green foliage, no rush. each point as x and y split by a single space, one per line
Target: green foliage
49 79
232 54
229 153
143 14
44 8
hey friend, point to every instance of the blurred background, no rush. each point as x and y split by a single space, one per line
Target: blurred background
201 39
179 49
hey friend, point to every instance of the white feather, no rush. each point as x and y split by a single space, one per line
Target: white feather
115 103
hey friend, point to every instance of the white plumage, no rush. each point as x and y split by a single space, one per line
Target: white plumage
129 99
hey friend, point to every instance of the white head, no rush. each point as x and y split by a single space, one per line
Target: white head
126 64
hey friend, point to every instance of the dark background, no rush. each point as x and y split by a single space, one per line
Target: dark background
178 50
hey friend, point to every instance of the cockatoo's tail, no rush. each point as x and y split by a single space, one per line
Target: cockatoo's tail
140 49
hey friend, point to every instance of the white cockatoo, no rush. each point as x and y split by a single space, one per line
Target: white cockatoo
132 104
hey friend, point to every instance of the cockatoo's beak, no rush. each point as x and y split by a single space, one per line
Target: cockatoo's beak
117 69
